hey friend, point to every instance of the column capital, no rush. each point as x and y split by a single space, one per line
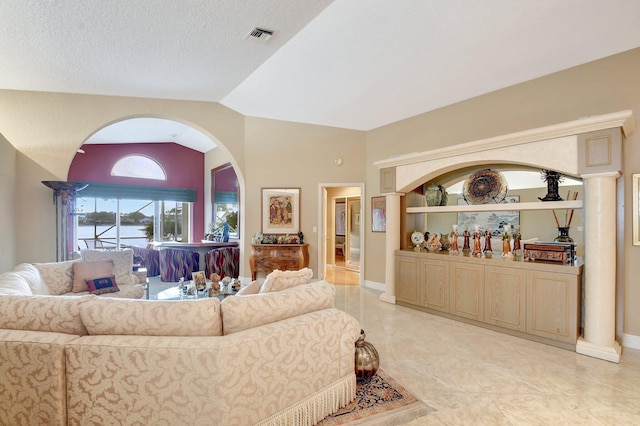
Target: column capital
614 175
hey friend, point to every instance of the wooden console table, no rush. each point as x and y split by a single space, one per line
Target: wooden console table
285 257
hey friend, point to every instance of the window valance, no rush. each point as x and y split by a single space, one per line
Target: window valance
138 192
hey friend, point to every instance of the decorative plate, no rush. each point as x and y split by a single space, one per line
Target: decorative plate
485 187
417 238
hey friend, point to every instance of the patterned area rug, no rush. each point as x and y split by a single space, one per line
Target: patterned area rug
379 399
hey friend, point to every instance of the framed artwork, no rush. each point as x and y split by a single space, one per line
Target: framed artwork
378 214
280 210
199 280
636 210
341 218
491 221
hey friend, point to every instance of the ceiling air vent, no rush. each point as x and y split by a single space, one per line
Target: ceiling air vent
260 34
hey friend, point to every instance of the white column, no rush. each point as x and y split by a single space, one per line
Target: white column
600 230
392 242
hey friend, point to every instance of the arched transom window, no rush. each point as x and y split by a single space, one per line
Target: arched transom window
138 166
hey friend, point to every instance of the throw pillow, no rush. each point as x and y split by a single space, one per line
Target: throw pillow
242 313
33 277
282 280
199 317
58 276
252 288
122 261
83 271
102 285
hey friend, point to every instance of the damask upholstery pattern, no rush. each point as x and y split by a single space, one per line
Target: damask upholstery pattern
122 260
224 261
281 280
59 314
241 313
57 275
33 385
153 317
177 263
150 260
196 380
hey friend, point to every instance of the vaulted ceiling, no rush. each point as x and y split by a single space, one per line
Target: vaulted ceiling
357 64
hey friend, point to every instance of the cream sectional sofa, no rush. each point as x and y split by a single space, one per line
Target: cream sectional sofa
68 278
276 357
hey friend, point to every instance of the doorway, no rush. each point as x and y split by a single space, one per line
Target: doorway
341 233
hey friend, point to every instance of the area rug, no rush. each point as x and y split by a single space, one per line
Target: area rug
379 399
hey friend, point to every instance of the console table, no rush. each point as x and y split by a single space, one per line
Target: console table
285 257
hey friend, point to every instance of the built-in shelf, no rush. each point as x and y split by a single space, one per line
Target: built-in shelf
547 205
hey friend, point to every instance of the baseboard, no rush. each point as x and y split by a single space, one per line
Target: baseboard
631 341
374 285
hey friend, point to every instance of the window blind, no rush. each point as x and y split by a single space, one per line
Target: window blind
138 192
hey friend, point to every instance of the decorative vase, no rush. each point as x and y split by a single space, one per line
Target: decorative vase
563 235
367 358
433 242
436 195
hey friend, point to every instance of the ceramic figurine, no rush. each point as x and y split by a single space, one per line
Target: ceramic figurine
506 243
215 283
488 251
466 248
454 240
477 251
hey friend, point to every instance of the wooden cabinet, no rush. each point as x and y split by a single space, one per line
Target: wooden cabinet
552 308
467 290
536 300
505 297
285 257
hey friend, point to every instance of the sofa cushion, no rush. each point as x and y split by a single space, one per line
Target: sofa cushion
122 261
30 273
84 270
58 276
102 285
153 317
281 280
13 283
253 288
59 314
241 313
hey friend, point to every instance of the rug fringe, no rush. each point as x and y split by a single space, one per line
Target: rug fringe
317 406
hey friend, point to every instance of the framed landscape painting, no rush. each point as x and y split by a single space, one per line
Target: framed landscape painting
490 221
280 210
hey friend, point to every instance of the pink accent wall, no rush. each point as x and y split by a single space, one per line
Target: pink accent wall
184 168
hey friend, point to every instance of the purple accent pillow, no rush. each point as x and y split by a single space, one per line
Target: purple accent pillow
102 285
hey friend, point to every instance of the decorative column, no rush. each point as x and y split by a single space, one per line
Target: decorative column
392 242
600 229
64 198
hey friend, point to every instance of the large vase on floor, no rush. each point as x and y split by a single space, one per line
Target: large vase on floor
367 358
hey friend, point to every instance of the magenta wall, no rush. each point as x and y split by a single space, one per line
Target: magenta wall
184 168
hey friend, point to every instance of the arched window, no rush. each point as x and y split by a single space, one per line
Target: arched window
138 166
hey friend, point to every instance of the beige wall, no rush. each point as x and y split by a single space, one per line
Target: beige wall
7 211
600 87
283 155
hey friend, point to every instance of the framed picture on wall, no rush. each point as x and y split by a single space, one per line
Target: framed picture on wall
280 210
636 211
378 214
490 221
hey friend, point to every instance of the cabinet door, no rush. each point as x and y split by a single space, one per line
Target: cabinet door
552 305
505 297
434 278
467 290
407 287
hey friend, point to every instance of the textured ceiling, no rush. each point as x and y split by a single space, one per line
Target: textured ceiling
357 64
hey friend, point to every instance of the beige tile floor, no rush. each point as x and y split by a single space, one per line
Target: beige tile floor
474 376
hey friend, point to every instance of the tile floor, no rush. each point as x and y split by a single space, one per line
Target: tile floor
474 376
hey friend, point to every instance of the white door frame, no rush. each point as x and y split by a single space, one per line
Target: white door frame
322 225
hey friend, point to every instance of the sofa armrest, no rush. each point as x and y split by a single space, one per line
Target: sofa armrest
32 368
236 379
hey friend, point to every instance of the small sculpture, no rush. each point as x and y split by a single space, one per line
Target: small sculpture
215 284
477 251
488 251
552 179
454 240
466 247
